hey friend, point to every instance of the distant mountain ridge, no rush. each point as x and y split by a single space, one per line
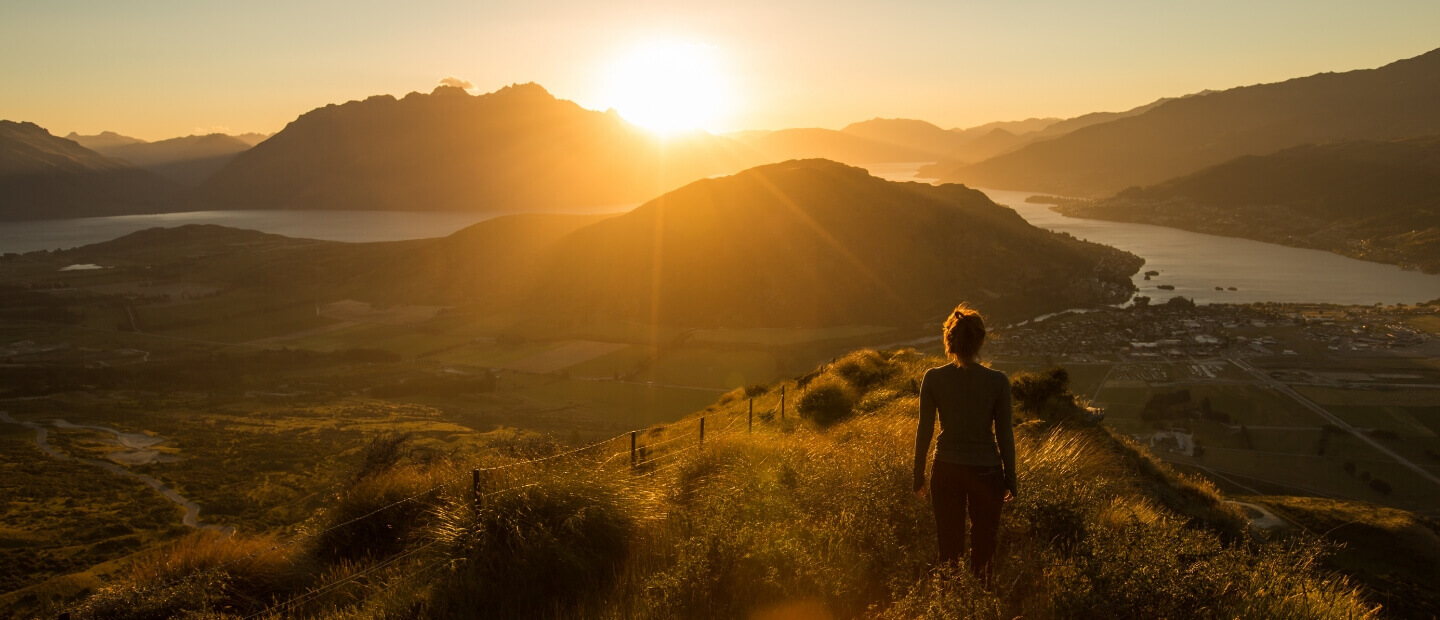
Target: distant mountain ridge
45 177
1398 100
515 149
891 140
1371 200
188 160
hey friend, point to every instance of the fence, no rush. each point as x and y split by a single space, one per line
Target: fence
643 462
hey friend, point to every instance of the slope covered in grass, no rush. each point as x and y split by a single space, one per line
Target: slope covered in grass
794 519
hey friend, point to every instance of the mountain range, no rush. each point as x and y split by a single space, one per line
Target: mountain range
1178 137
188 160
516 149
45 177
882 140
1372 200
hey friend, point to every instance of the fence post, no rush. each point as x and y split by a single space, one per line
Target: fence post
475 487
782 402
750 421
632 448
702 429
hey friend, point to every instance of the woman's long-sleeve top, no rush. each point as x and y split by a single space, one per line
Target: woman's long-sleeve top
973 403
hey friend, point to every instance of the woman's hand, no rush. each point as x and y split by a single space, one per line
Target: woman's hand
922 492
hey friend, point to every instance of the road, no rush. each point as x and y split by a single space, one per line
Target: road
1267 520
1333 419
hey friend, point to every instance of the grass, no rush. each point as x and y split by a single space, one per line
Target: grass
1396 554
795 518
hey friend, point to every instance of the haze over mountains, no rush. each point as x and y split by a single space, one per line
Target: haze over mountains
1182 136
800 243
1376 201
186 160
43 177
516 149
882 140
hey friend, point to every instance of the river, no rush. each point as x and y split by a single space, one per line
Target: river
137 441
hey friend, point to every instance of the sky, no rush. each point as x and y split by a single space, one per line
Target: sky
159 69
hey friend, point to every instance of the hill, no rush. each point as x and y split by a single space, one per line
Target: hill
1029 125
805 143
1375 201
888 140
252 138
883 140
813 242
768 517
45 177
103 140
188 160
1188 134
515 149
803 243
1393 553
916 135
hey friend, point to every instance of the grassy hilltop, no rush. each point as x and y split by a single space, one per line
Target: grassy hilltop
801 518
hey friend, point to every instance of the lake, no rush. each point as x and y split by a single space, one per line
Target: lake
353 226
1196 263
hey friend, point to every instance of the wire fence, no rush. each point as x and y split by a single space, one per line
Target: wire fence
646 459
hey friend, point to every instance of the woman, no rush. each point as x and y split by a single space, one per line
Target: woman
974 468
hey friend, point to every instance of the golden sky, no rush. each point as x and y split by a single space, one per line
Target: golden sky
161 69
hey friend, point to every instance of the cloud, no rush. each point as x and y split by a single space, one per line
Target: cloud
458 83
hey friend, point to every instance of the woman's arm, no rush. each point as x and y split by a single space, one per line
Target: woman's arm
925 431
1005 433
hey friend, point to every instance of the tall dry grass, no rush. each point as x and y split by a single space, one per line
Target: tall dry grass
806 519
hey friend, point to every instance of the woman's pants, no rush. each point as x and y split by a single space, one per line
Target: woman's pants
956 490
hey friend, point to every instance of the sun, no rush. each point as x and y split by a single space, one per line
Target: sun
669 86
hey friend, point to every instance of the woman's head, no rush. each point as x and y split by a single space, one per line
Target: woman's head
964 333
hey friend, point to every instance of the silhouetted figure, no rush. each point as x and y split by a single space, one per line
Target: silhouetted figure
974 472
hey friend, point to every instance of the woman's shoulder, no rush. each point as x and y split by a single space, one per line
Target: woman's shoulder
996 375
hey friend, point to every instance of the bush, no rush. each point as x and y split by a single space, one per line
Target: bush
863 369
827 401
533 551
947 593
1030 391
1380 486
395 505
202 572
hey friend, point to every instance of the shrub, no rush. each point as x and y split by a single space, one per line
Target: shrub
864 368
827 401
946 593
1030 391
378 516
205 571
531 551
